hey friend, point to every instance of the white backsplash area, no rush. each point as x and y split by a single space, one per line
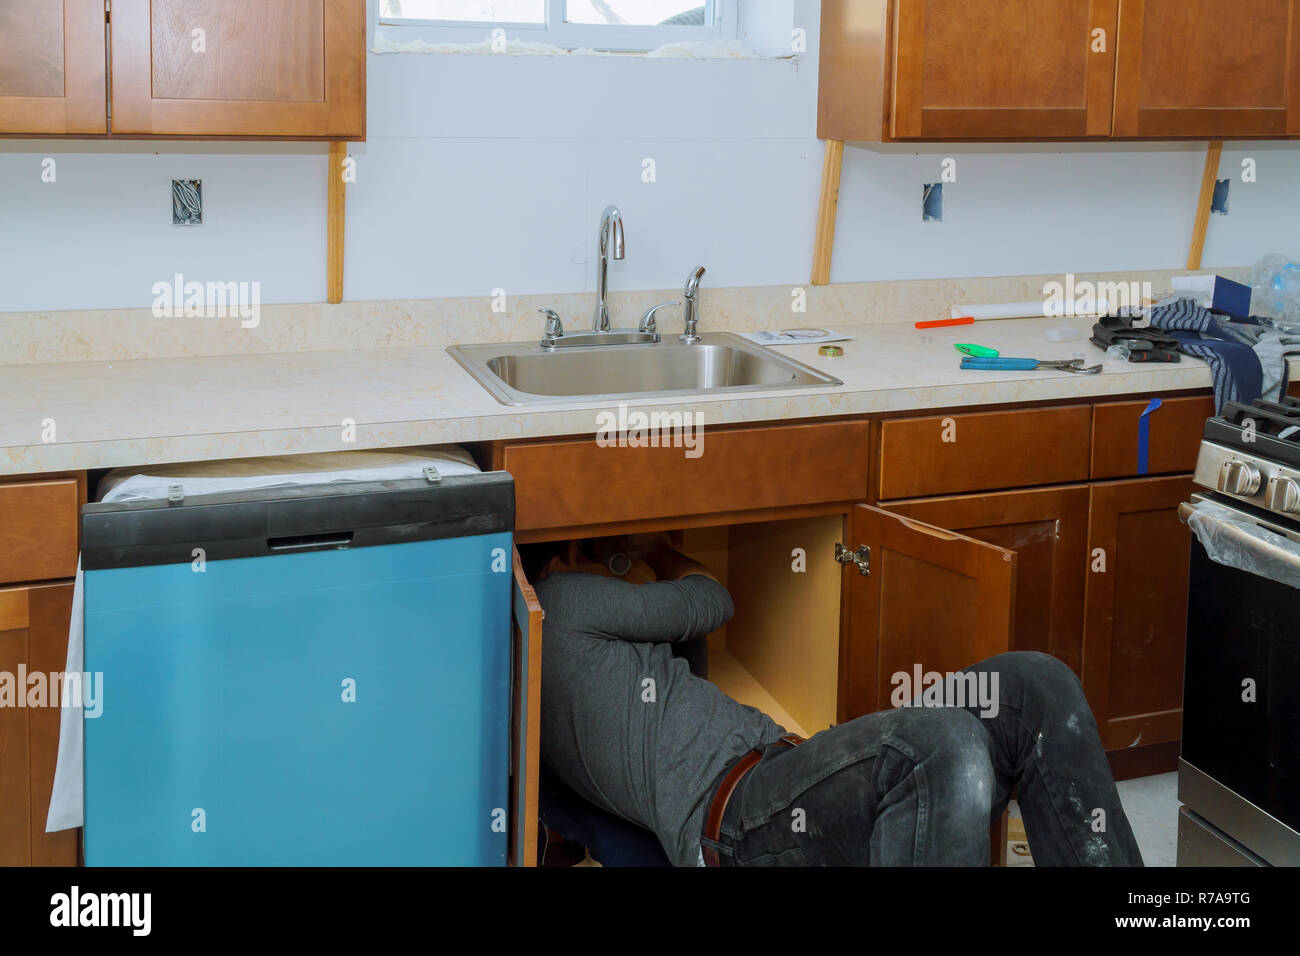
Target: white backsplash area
116 334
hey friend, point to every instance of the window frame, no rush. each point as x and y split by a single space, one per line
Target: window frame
571 36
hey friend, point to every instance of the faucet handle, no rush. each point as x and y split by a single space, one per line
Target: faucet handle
692 295
554 327
647 323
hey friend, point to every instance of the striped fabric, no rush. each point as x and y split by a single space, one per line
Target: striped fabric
1234 366
1186 316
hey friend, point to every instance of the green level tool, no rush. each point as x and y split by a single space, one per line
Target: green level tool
979 351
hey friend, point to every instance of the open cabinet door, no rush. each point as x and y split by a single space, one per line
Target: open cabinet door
525 736
929 597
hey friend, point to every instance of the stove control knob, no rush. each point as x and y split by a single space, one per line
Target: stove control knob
1239 478
1284 495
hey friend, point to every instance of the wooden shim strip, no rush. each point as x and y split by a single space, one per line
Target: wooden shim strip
1203 205
824 242
334 223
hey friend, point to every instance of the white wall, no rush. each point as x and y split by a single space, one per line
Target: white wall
491 171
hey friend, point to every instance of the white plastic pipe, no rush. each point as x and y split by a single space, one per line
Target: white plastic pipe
1028 310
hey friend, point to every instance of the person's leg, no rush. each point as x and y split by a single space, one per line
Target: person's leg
1044 739
894 788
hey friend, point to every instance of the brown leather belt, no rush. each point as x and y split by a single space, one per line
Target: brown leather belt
722 796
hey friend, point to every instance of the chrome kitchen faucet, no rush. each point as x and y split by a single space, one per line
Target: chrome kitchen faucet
610 232
609 243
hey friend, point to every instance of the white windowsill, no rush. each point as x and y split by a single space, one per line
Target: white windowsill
708 50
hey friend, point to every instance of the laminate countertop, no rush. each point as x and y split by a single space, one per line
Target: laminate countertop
84 415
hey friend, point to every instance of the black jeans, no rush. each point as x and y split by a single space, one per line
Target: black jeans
921 786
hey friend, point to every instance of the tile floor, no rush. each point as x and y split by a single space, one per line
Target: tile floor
1152 807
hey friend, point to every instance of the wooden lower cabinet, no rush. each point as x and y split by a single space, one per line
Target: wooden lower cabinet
1100 581
38 529
1047 528
33 637
580 488
1135 612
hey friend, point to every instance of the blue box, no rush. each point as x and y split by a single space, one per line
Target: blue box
1216 293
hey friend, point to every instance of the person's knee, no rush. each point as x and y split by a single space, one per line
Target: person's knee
1047 688
1042 674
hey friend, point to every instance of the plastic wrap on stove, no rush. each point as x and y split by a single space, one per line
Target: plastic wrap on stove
1234 540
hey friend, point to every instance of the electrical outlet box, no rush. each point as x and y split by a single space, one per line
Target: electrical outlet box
932 202
1219 202
187 202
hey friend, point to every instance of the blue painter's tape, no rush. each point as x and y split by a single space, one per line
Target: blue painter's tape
1144 435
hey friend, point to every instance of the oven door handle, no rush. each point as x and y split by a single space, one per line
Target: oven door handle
1234 539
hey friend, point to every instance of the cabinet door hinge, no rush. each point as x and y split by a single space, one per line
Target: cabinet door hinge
861 556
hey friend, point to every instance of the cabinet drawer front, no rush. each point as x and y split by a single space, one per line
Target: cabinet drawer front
566 484
38 530
982 451
1173 436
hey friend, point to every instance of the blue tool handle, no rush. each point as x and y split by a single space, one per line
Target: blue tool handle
989 362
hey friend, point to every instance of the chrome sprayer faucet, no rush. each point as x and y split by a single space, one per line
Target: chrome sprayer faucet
610 233
692 296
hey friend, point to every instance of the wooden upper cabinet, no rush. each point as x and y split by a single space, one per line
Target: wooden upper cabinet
1014 69
293 68
52 67
1208 68
1058 69
966 69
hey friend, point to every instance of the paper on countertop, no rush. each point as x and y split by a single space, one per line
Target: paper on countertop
205 478
794 336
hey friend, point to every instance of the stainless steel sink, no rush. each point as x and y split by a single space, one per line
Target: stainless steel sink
523 373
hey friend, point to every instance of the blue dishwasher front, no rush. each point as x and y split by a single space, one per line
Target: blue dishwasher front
337 695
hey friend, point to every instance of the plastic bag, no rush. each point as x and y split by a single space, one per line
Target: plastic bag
1232 539
1275 291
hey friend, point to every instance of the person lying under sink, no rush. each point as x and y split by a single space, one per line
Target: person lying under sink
629 728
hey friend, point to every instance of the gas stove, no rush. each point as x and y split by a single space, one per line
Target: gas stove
1239 765
1251 453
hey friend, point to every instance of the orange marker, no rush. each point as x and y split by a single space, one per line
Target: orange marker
942 323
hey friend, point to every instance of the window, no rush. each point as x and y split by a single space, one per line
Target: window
627 25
